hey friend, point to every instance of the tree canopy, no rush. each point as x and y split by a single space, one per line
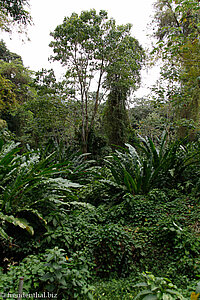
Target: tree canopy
177 29
94 49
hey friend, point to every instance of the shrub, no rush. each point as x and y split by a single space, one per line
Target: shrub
137 170
51 272
113 250
157 288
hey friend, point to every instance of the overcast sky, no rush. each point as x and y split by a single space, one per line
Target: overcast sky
47 14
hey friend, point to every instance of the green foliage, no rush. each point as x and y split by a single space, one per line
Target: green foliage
6 55
32 184
94 38
138 172
133 211
16 222
31 268
51 272
121 78
108 246
96 192
18 75
23 174
45 82
68 222
115 117
7 95
113 250
115 289
180 243
15 87
44 120
177 31
67 276
13 11
157 288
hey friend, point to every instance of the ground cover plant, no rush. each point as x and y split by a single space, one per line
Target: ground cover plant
72 243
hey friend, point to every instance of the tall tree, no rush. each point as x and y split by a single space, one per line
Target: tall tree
15 82
123 76
177 30
86 45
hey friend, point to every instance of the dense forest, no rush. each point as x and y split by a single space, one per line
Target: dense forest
100 189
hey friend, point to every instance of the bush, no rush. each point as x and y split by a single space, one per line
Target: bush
51 272
157 288
116 288
113 250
